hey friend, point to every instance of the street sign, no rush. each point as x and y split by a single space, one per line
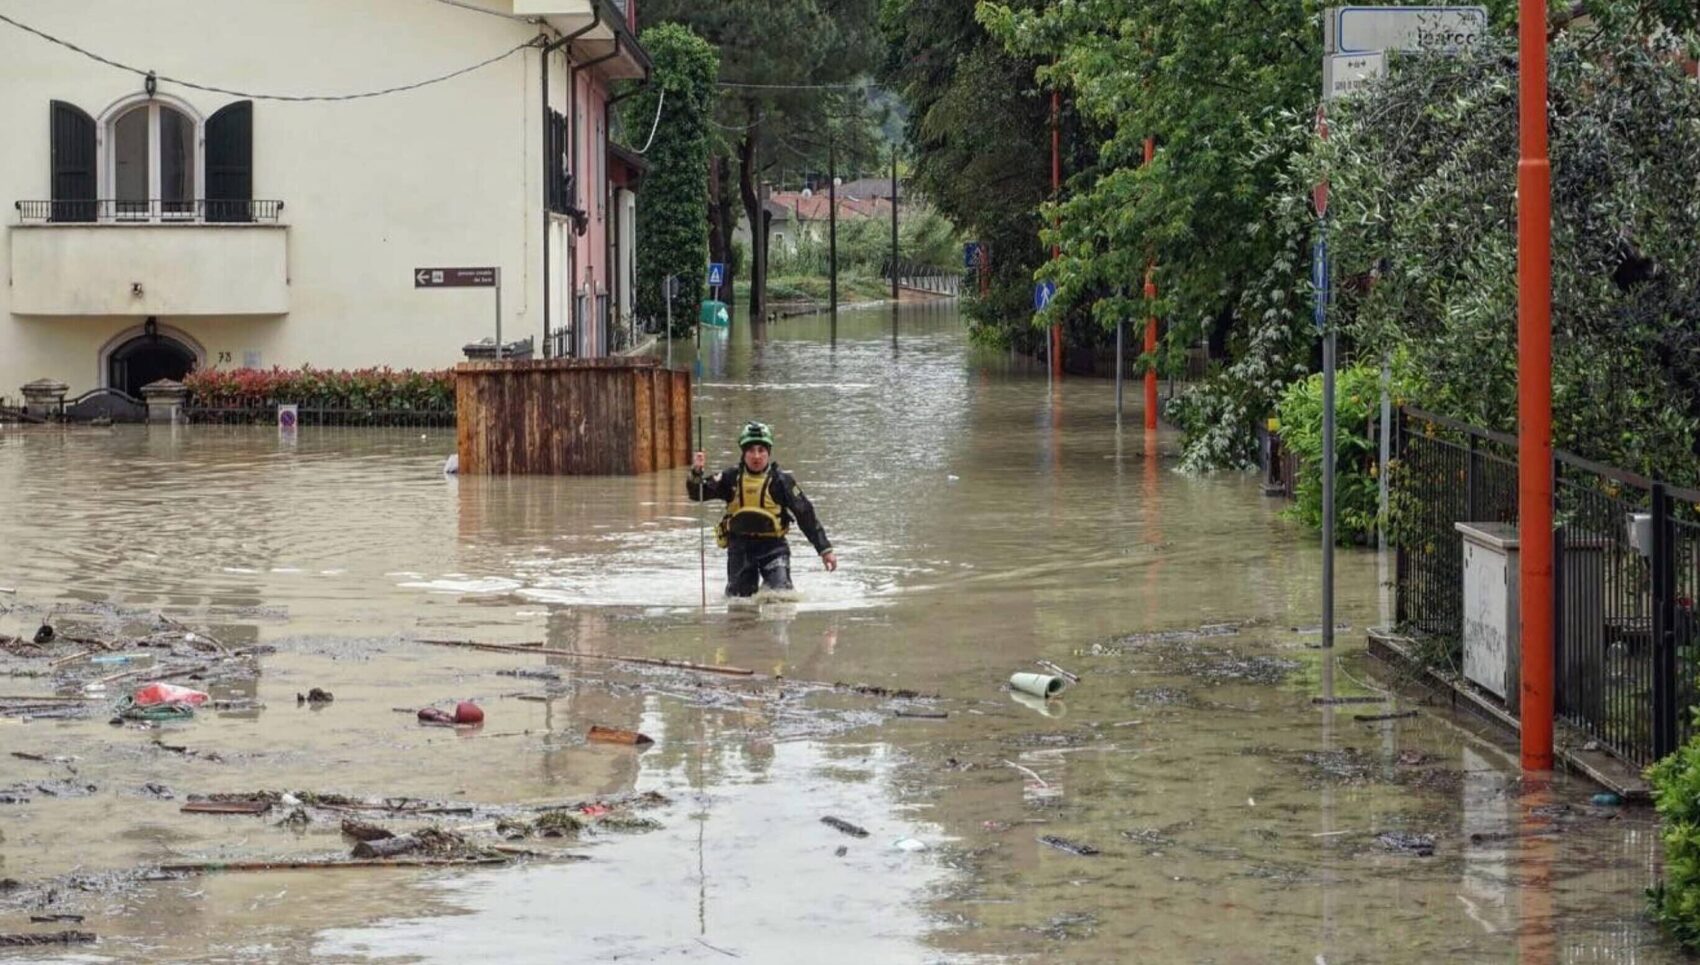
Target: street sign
1043 292
1319 280
465 278
454 278
1344 74
1439 29
971 255
288 416
716 274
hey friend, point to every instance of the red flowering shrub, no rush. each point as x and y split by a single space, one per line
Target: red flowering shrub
374 389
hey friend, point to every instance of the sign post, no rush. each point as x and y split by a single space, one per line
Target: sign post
1319 277
1043 292
465 278
1354 40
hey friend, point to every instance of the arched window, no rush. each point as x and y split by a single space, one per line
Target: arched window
153 161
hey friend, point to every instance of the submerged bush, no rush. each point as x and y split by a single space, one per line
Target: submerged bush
359 389
1357 398
1676 794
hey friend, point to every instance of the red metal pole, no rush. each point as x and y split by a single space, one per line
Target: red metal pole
1534 387
1056 195
1150 318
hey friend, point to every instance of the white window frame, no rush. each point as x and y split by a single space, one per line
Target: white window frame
106 157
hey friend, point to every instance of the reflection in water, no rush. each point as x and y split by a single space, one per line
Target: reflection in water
986 518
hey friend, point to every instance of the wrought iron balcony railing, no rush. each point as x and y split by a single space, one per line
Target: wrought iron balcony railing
153 211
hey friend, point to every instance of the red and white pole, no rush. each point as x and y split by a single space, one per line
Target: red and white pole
1534 388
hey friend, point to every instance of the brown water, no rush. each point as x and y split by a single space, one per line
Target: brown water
984 520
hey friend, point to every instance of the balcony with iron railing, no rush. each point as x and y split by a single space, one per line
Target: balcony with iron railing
151 211
149 257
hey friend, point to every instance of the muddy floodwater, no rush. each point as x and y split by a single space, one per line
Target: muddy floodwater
1186 801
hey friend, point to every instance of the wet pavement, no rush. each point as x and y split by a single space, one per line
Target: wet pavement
1186 801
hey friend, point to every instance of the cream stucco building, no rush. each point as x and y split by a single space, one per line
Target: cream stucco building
240 207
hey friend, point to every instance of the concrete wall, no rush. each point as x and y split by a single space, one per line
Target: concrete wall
160 269
445 175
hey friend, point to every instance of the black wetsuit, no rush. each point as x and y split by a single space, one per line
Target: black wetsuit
755 560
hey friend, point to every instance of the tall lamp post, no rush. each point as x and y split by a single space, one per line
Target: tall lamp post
1534 387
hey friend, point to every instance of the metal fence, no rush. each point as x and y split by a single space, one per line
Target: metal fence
1626 572
321 413
922 277
190 210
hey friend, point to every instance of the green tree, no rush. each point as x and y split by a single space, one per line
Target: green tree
1203 78
1424 201
979 127
786 70
674 237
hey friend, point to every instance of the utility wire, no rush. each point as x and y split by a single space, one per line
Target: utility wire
858 85
494 13
267 97
655 125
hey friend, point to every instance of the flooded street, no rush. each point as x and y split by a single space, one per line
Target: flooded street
983 520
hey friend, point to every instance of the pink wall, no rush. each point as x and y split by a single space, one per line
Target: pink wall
591 249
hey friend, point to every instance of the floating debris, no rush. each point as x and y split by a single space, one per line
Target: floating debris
1070 847
1182 636
1406 842
361 831
530 673
48 938
227 807
1493 837
612 735
314 696
845 826
1374 718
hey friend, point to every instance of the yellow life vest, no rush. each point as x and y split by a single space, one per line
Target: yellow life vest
753 512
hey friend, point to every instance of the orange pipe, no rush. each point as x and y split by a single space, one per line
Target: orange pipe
1150 318
1534 388
1056 195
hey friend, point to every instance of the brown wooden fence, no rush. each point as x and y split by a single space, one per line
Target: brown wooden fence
572 417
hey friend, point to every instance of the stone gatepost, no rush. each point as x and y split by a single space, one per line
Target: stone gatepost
45 398
165 399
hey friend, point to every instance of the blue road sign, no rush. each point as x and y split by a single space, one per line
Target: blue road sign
971 255
1319 280
716 274
1043 292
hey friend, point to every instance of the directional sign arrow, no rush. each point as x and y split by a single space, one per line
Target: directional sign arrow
422 276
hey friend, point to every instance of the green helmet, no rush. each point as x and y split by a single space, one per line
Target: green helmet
755 433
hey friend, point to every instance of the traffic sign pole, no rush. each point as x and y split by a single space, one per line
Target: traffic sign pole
498 288
1319 276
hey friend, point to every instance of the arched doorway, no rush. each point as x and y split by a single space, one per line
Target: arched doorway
145 359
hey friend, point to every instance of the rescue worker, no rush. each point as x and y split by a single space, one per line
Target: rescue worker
762 501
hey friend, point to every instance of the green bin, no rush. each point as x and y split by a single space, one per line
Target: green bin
714 314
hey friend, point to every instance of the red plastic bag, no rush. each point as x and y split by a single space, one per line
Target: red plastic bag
158 693
467 712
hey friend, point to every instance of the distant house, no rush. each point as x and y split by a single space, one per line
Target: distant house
799 216
872 189
159 227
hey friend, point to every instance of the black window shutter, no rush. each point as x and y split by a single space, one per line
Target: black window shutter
556 189
230 163
73 164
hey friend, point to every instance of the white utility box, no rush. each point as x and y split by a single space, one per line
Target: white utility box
1491 625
